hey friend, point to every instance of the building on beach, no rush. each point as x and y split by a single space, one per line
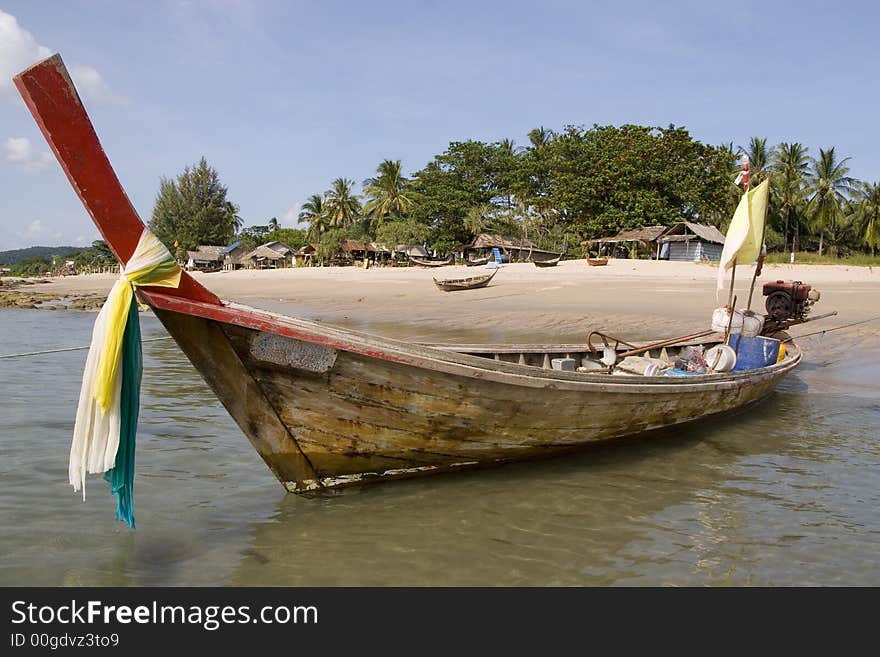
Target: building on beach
687 241
205 258
630 243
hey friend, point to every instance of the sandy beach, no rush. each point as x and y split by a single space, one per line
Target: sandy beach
636 299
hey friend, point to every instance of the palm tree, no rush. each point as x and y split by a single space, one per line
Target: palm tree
829 186
343 206
237 221
387 193
867 214
759 160
790 165
540 137
314 214
273 224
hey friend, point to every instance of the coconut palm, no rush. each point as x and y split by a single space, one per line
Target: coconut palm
387 193
759 160
343 206
867 214
829 187
790 165
540 137
273 224
314 214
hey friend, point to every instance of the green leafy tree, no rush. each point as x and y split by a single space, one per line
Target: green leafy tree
610 178
829 186
387 193
464 176
292 237
252 236
342 205
193 209
402 231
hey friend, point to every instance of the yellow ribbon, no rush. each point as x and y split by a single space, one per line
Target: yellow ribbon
150 264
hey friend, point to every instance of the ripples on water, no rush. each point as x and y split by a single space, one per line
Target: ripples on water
787 493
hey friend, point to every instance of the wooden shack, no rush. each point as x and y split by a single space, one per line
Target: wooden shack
687 241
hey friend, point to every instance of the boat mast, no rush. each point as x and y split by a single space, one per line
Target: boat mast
744 178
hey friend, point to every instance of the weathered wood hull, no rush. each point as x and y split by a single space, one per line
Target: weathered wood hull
469 283
547 263
323 416
597 262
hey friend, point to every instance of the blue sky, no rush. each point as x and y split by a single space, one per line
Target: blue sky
283 97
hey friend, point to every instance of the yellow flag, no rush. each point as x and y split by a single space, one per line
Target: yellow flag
746 231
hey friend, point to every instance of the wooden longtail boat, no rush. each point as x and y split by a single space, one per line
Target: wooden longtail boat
597 262
469 283
327 406
421 262
548 263
476 263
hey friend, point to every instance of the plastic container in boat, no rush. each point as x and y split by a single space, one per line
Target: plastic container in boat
753 353
721 358
744 322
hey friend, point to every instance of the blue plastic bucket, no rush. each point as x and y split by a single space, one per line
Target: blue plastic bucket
752 353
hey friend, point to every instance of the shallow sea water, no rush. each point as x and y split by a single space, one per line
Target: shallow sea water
787 493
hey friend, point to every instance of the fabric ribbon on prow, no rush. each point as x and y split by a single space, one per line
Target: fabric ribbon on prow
109 399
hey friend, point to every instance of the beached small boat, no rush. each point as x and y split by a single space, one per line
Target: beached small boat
479 262
597 262
422 262
468 283
552 262
327 406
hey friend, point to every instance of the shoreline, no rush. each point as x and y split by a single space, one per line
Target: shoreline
640 299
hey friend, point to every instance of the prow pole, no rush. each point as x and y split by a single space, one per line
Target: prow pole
50 96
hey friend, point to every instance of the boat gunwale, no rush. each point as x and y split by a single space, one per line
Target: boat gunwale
453 362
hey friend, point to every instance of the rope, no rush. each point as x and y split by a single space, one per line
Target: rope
57 351
805 335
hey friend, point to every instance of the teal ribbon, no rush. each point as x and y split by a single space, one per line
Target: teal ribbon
121 476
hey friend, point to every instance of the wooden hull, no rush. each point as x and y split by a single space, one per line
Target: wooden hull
331 407
476 263
547 263
597 262
470 283
430 263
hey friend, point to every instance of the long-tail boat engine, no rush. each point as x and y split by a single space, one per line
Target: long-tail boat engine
789 302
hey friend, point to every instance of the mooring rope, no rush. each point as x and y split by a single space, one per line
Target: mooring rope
57 351
835 328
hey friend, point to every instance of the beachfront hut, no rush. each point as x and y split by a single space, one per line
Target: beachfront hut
232 255
205 258
637 242
515 249
272 255
687 241
305 255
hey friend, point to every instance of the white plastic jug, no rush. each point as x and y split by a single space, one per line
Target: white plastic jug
744 322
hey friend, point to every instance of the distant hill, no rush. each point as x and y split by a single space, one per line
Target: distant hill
17 255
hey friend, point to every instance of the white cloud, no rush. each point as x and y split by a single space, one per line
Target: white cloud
92 86
290 215
18 49
34 229
20 151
